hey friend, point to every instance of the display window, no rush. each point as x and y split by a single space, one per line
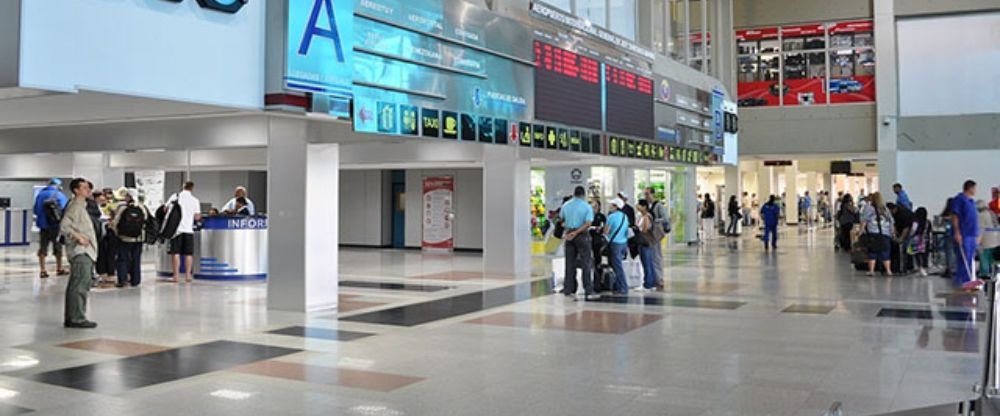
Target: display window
759 52
701 47
811 64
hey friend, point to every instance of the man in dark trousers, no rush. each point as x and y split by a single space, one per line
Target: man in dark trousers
577 215
49 205
965 221
903 219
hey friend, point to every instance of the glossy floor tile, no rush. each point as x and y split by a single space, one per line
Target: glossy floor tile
11 410
720 339
391 286
320 333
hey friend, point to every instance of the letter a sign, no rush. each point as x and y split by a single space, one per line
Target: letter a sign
320 39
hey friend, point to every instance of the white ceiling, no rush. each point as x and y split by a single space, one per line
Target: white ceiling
27 108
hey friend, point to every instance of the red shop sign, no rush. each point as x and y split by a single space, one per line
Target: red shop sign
757 34
803 30
860 26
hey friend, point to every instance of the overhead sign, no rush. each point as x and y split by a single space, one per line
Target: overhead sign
583 25
225 6
320 44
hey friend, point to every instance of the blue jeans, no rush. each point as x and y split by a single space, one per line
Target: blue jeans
649 274
129 263
771 234
616 253
963 270
950 265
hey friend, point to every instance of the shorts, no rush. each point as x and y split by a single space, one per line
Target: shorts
47 237
182 244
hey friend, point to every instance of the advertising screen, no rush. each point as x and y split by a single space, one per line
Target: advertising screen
567 87
630 103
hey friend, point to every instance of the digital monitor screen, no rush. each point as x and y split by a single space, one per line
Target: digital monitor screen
630 103
430 121
595 143
501 131
486 130
567 87
469 127
408 120
450 126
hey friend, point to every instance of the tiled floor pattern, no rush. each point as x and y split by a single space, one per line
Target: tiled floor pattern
736 332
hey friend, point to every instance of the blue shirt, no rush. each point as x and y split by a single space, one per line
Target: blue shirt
904 200
39 209
807 202
968 218
575 213
770 214
617 221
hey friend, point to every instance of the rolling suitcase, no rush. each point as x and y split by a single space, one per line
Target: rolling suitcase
604 278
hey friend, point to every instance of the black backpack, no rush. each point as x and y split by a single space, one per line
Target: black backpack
132 222
53 212
171 219
152 228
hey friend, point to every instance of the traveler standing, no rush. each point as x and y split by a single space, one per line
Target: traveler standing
616 231
597 233
769 213
644 237
745 206
734 215
847 217
129 225
661 220
182 244
903 221
577 216
950 263
922 236
48 209
989 238
995 203
754 210
632 260
878 226
708 217
107 247
806 208
965 221
78 230
239 192
901 197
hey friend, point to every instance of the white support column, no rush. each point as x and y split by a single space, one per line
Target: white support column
792 194
506 211
691 203
94 167
887 95
733 187
812 184
626 183
303 182
765 182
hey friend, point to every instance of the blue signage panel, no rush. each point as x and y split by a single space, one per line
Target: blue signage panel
235 223
320 45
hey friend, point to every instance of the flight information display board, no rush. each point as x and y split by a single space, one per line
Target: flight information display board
630 103
568 87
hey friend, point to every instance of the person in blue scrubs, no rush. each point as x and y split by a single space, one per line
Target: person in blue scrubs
770 213
617 231
901 197
965 221
577 215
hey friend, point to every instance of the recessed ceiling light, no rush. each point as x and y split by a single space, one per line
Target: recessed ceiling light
6 394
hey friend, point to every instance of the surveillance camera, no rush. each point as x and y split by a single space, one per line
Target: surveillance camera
886 121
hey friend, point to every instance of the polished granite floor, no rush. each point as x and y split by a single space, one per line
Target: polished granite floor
736 331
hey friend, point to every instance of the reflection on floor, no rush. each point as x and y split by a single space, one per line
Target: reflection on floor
736 331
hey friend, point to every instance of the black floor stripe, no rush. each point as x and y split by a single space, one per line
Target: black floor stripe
807 308
122 375
320 333
392 286
659 301
436 310
927 314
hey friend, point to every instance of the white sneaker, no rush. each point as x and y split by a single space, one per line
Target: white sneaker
923 272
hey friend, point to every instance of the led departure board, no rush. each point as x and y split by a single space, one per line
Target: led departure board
630 102
568 87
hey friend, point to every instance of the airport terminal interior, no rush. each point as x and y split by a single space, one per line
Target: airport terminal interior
500 207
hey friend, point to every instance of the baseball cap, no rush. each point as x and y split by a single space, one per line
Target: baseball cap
618 203
623 195
55 181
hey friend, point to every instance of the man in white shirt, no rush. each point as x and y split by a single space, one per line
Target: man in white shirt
183 242
240 192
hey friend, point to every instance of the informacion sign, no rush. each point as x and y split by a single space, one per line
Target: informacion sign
438 213
567 87
320 45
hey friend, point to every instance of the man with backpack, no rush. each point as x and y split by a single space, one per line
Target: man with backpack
661 226
129 223
49 205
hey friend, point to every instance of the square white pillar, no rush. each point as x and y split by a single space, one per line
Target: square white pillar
303 204
765 182
792 194
691 221
506 212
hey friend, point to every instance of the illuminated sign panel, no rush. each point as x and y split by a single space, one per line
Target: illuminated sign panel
430 122
630 103
320 43
567 87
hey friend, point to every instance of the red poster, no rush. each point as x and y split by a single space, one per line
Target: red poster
805 91
438 232
856 89
802 30
758 93
860 26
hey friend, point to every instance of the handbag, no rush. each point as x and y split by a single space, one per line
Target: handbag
606 240
559 230
872 241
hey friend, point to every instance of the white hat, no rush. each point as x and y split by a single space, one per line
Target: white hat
618 203
622 195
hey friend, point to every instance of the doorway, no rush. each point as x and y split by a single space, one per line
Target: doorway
398 209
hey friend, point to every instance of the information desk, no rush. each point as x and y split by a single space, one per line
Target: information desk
227 248
15 226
